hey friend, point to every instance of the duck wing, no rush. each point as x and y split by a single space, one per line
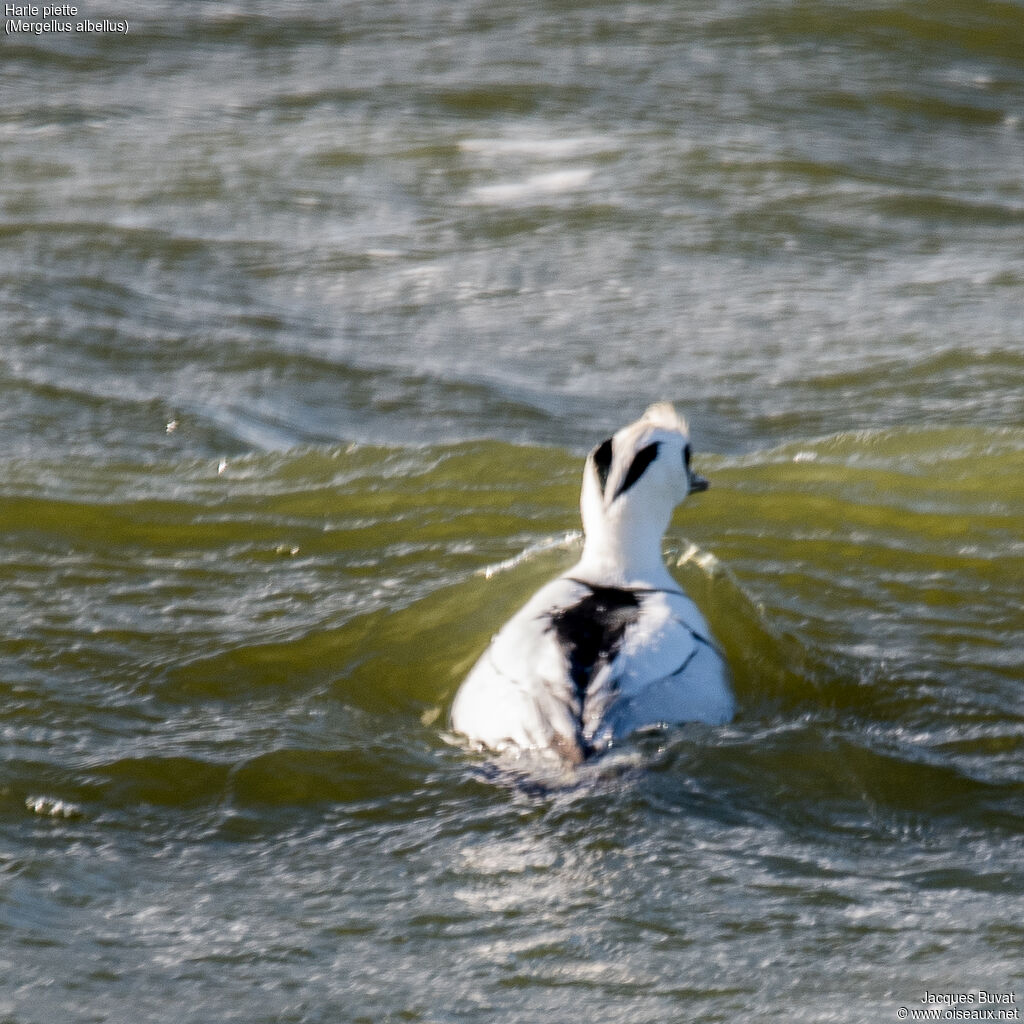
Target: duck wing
667 670
521 691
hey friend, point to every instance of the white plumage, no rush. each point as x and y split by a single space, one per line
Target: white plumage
614 644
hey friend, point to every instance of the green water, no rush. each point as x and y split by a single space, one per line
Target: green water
225 699
308 315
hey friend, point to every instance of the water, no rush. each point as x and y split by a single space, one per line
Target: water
309 313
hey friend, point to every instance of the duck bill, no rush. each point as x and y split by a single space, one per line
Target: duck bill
698 483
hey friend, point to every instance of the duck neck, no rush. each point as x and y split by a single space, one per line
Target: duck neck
622 547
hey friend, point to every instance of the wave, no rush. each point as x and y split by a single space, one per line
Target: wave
250 613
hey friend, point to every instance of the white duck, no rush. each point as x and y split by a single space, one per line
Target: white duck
613 645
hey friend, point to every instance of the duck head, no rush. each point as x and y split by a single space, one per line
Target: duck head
632 482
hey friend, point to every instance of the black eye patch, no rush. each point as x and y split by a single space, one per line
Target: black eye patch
641 461
603 461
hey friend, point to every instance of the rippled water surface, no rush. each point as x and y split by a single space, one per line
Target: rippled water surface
308 314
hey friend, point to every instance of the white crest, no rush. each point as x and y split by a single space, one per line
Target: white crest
664 415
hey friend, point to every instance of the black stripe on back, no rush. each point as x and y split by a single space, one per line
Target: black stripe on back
590 632
641 461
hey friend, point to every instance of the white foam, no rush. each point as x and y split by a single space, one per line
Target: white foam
49 807
548 149
534 187
565 540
